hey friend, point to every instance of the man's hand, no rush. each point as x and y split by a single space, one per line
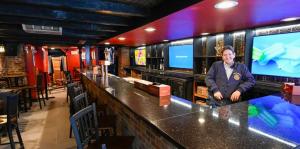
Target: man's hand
235 96
218 95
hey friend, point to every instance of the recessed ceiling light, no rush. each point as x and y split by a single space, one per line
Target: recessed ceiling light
2 50
143 44
225 4
150 29
122 38
52 48
107 43
165 40
204 34
290 19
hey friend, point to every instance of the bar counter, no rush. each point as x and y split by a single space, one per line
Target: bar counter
181 124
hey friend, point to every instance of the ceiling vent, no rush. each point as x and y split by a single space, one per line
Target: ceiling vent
37 29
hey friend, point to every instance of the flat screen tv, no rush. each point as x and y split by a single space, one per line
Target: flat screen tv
140 56
273 117
277 55
181 56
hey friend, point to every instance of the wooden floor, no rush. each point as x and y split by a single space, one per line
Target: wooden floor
46 128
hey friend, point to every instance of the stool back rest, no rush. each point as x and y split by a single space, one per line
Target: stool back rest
71 92
78 90
39 81
68 77
12 106
70 89
84 126
80 102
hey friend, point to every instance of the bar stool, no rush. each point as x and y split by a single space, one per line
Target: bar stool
25 97
69 87
84 124
39 89
10 120
71 94
106 122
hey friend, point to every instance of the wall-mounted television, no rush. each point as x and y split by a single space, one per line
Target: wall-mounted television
181 56
276 55
140 56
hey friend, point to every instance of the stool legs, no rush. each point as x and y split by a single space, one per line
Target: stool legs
19 136
9 128
39 100
10 136
41 92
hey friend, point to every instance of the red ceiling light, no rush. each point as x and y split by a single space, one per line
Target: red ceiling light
150 29
225 4
122 38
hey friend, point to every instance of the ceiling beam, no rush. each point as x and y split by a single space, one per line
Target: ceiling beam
40 42
60 15
45 41
98 6
64 24
17 29
41 36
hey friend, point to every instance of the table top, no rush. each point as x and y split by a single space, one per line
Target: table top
266 122
14 75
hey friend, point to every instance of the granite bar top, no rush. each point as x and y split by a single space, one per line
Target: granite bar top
267 122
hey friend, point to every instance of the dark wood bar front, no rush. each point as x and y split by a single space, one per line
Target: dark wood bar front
182 124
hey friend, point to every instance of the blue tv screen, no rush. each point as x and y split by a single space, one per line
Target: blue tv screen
273 117
181 56
276 55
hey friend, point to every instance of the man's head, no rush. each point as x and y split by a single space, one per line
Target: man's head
228 54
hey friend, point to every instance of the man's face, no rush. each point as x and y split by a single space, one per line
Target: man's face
228 56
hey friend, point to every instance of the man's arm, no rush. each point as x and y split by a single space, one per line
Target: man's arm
248 79
210 79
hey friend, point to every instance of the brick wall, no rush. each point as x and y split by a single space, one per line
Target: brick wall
12 65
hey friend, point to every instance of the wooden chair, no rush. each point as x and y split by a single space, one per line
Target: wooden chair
25 97
71 94
84 125
70 86
4 83
105 122
39 89
11 119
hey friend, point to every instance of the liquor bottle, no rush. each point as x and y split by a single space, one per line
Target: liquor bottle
161 65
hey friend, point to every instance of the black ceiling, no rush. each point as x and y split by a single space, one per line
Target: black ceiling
91 21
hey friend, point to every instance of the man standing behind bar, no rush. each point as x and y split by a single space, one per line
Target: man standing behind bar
227 80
